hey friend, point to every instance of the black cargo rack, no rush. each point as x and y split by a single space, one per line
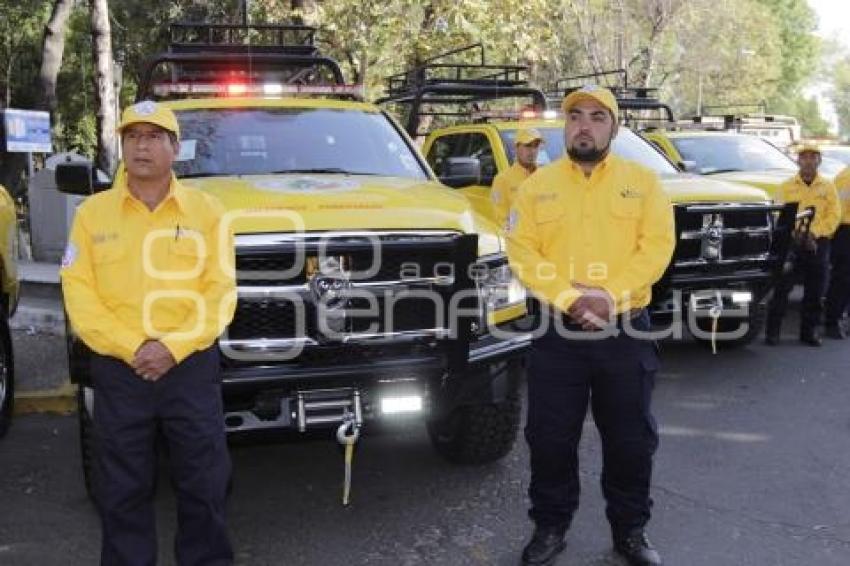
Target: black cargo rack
202 50
439 88
630 99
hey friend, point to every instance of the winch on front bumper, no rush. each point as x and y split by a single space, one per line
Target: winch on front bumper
330 325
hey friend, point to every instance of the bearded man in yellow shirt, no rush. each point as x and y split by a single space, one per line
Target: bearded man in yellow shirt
589 235
148 283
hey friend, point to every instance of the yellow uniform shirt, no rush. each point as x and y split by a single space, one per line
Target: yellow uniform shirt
842 185
505 185
613 230
822 196
131 274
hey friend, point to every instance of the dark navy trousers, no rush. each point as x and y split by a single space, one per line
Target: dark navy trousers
615 376
838 296
185 407
813 269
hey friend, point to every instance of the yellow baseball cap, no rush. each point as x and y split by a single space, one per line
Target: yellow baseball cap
528 136
808 148
595 93
150 112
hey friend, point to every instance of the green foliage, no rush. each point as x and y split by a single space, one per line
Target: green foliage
797 23
840 95
21 27
738 50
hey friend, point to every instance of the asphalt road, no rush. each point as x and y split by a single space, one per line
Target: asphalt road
753 469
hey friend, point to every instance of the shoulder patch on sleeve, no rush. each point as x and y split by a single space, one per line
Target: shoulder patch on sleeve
70 255
513 219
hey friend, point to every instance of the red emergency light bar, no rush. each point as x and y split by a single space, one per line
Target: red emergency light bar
265 90
515 115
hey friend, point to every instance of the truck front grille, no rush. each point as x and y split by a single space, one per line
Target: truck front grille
330 289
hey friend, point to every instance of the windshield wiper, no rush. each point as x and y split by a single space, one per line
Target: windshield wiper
716 171
322 171
199 175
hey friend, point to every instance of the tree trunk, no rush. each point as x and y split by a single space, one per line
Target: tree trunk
107 149
304 11
52 50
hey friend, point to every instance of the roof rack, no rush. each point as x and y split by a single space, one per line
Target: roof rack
738 108
629 99
248 53
439 87
191 37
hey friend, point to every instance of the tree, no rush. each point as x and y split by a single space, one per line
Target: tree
107 148
839 93
52 50
799 52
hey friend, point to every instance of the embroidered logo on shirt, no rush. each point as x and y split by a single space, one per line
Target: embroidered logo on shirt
104 237
630 193
145 108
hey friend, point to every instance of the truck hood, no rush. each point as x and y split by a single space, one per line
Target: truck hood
285 203
684 189
767 180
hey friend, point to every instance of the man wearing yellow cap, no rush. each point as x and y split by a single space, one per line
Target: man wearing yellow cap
589 234
505 184
810 252
148 284
838 295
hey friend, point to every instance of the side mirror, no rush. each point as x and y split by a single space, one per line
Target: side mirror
461 172
80 178
688 166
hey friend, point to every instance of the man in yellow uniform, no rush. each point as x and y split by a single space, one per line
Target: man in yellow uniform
506 183
589 235
838 295
811 252
148 283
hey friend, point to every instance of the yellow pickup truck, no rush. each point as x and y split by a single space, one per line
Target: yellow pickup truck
367 290
9 293
731 238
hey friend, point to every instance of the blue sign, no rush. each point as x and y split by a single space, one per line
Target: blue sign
27 131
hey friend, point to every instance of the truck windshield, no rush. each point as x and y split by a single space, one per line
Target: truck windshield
627 145
732 152
262 141
841 153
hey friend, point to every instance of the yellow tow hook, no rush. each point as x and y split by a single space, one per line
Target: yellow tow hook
714 313
347 434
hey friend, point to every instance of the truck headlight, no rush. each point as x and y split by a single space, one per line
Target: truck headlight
497 286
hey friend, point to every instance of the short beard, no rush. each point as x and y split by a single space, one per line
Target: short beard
588 156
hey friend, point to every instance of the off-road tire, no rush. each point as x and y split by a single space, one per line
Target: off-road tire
86 442
479 434
7 376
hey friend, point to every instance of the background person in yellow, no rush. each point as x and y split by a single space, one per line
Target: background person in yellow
810 253
505 184
589 234
838 295
148 285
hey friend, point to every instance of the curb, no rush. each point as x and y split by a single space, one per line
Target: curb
60 400
38 320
